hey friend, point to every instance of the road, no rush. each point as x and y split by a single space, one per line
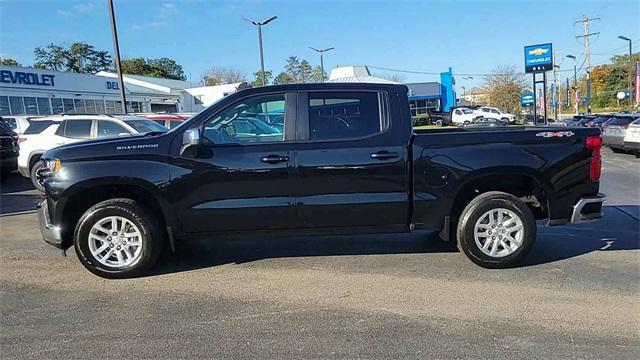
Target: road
383 296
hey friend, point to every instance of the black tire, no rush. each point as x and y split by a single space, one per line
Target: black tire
33 174
152 237
477 208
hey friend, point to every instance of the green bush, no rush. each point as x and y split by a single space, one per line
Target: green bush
421 120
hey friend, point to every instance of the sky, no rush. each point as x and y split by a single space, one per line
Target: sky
472 37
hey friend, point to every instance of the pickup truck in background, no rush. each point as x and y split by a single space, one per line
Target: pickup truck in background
346 160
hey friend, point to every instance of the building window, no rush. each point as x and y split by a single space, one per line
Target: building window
56 106
197 100
110 106
16 105
100 107
4 106
80 108
90 106
44 108
68 106
30 106
424 106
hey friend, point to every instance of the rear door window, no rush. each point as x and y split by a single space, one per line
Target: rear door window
78 129
344 115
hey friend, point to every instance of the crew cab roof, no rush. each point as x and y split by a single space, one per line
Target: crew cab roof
324 87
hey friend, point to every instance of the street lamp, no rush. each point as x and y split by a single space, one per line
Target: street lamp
321 51
259 24
630 63
575 81
463 89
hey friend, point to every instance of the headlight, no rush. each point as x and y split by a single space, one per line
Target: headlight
54 165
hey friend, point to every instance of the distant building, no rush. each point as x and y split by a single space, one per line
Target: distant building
357 74
428 97
36 91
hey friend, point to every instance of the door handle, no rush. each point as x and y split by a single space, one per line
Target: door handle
384 155
274 159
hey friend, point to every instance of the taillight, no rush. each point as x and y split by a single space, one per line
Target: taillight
595 169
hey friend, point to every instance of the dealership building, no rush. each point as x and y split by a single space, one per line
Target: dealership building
424 97
29 91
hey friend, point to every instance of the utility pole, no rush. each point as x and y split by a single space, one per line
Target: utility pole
259 24
556 92
116 52
575 81
587 54
321 51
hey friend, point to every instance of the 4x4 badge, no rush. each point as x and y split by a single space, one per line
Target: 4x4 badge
551 134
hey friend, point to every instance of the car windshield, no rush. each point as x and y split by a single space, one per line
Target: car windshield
467 111
144 126
36 127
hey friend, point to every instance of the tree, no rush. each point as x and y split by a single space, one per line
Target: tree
395 77
9 62
163 68
79 57
503 87
292 68
318 75
222 75
258 78
284 78
305 71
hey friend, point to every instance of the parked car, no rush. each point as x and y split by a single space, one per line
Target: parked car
579 120
599 121
462 115
332 170
485 122
615 131
495 113
167 120
632 138
18 123
8 150
57 130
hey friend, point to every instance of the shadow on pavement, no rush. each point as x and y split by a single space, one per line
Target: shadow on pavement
616 231
17 195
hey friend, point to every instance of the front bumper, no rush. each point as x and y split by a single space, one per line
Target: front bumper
588 208
51 234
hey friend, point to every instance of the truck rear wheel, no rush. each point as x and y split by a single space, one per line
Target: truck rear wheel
117 238
496 230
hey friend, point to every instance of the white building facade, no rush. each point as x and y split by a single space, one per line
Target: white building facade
29 91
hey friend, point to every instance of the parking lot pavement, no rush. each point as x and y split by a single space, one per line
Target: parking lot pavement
382 296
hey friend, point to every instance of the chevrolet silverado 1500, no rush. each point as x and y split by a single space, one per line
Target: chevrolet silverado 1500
316 159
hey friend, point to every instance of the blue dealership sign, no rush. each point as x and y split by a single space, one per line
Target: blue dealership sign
526 99
538 58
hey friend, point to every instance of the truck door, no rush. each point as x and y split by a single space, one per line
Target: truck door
351 162
242 176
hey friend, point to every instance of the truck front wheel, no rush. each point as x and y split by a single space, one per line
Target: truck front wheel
117 238
496 230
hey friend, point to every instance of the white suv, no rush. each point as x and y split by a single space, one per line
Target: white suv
495 113
57 130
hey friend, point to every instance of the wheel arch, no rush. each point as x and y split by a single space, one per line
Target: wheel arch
83 195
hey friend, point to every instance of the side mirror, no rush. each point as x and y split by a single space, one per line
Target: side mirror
190 138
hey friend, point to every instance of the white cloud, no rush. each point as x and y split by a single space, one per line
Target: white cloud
150 25
76 10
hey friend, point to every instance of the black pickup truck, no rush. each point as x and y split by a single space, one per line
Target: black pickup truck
316 159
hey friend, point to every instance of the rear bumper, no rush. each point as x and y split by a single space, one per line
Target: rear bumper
588 208
629 145
51 234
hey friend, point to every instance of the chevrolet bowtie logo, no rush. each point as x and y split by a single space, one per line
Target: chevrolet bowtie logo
538 51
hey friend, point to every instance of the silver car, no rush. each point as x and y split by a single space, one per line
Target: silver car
615 131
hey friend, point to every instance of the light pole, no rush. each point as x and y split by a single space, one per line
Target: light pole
463 89
116 53
575 81
630 63
259 24
321 51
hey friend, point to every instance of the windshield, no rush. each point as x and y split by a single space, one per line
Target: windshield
36 127
144 126
467 111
